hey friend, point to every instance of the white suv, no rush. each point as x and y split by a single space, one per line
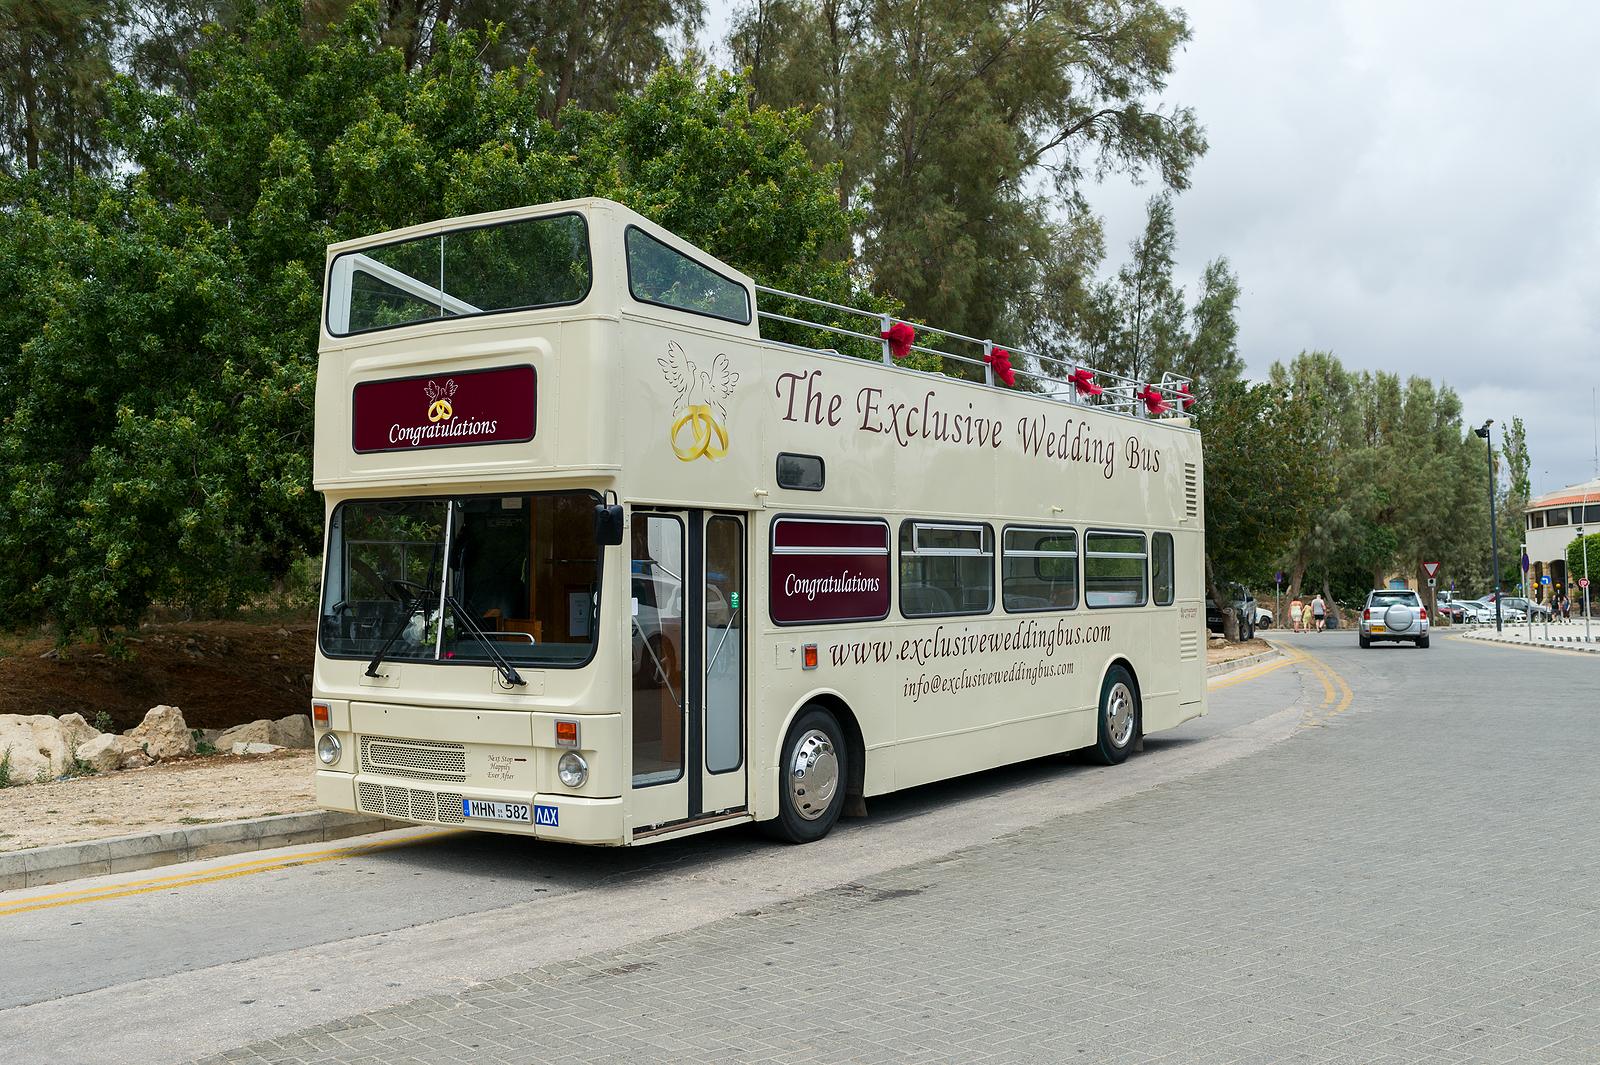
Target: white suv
1394 614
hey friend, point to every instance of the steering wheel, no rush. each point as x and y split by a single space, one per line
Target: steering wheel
406 591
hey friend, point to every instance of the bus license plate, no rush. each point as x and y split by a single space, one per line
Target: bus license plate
498 811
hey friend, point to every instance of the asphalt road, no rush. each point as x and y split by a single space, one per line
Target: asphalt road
1358 855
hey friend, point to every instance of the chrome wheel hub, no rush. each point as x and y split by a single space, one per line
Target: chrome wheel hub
813 774
1119 715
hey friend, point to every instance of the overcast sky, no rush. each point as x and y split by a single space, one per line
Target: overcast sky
1414 186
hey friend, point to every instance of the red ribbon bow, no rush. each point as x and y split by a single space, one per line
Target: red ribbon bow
1154 402
900 337
1083 380
1184 398
1000 360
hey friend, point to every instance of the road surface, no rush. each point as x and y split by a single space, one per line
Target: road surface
1363 856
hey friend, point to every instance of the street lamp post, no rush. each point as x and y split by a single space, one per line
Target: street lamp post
1582 540
1494 534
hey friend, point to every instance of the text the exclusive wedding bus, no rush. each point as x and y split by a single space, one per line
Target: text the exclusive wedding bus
605 565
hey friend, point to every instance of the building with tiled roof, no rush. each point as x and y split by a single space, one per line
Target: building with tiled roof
1553 522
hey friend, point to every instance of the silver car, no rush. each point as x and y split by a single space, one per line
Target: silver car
1394 614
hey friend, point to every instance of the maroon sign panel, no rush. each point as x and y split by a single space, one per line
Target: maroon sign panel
828 570
445 410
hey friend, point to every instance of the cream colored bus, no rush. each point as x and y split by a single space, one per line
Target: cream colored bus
604 565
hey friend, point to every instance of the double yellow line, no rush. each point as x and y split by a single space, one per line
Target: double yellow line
1336 693
11 907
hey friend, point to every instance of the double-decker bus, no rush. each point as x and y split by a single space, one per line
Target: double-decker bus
606 565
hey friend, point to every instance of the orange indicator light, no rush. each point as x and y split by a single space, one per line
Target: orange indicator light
808 656
566 733
319 714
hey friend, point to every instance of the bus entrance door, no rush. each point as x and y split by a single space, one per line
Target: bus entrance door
688 665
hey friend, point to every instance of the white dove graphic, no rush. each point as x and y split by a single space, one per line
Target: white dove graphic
696 387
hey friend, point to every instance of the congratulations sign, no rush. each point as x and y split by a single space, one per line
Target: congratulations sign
445 410
828 570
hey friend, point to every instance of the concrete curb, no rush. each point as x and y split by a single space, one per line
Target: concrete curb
121 854
1558 643
1220 668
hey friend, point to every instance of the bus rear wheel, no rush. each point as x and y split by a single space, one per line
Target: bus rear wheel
811 780
1119 717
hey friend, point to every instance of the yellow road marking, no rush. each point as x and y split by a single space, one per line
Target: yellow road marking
204 876
1334 687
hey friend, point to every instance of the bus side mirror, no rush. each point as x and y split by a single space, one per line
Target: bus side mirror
607 524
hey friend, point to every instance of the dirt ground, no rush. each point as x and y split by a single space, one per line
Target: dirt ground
173 795
1227 652
219 673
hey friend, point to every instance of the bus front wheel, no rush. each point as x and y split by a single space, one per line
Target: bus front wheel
811 781
1119 717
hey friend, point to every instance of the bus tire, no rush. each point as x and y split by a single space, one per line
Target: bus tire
1119 717
812 774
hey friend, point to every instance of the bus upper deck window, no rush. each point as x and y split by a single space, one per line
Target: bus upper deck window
520 265
667 277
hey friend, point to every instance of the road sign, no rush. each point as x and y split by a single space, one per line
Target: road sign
1432 582
1545 579
1431 569
1583 582
1524 563
1280 576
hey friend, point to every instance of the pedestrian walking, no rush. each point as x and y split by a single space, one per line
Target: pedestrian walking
1319 611
1566 607
1294 613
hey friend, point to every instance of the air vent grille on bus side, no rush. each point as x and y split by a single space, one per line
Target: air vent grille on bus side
1188 646
419 759
1191 490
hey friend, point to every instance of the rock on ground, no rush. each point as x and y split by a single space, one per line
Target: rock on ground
254 732
255 748
163 733
35 746
105 752
293 731
76 731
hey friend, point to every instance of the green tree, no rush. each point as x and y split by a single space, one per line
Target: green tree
969 131
1583 559
1259 483
161 348
55 58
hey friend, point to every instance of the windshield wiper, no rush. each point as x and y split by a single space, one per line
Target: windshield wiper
399 630
507 670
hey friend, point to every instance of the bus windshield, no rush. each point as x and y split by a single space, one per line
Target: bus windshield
524 569
534 262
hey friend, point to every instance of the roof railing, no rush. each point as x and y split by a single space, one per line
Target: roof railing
1062 380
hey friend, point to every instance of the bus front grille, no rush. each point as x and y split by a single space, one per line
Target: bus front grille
413 804
418 759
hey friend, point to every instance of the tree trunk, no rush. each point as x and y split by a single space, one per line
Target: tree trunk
1230 620
1297 576
1330 607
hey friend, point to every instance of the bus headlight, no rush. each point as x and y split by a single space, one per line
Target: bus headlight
572 769
328 749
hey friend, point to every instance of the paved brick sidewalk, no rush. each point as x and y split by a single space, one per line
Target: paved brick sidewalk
1413 882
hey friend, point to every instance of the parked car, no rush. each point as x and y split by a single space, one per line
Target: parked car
1393 614
1244 608
1528 608
1263 618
